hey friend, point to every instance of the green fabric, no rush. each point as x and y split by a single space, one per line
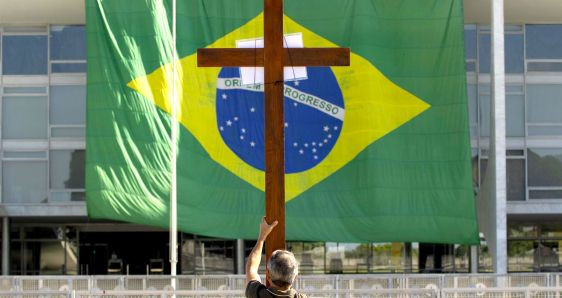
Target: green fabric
413 184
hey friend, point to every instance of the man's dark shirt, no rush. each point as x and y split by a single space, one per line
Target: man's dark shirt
256 289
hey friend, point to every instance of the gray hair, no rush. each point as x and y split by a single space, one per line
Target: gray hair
283 268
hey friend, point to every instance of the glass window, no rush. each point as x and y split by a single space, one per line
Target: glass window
16 256
25 29
25 154
544 103
24 182
208 256
68 132
483 168
544 66
546 256
514 89
484 107
515 179
24 117
388 257
51 257
545 194
475 176
72 256
513 53
551 230
188 256
544 130
68 105
310 256
68 67
517 230
461 255
484 53
544 41
24 55
515 115
67 196
472 108
521 255
545 167
515 111
470 42
67 169
515 152
217 256
470 66
68 43
25 90
347 257
485 264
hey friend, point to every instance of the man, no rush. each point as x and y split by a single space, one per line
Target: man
282 270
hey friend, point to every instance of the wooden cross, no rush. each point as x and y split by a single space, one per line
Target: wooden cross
273 57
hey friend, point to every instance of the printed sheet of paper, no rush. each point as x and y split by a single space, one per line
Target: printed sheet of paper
255 75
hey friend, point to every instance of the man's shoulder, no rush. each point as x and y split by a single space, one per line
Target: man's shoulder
257 289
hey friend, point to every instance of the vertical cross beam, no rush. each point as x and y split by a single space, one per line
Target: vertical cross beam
273 57
274 124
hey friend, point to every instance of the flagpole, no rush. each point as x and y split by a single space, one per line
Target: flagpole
174 141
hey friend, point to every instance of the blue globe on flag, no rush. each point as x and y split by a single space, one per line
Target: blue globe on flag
314 114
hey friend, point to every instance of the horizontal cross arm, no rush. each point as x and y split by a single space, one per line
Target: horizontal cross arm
291 57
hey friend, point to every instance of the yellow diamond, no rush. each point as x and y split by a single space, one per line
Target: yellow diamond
374 107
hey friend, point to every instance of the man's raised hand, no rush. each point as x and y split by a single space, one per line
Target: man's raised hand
266 228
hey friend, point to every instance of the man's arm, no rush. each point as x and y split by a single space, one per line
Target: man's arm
254 258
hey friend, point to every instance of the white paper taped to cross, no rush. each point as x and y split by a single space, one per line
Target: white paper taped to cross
254 75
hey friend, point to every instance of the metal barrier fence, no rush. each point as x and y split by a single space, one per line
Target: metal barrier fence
392 286
533 292
416 293
538 292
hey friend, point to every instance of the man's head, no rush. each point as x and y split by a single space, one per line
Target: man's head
283 268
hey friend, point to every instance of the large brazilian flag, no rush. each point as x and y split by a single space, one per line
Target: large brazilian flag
375 152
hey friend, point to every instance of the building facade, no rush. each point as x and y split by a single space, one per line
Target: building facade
42 147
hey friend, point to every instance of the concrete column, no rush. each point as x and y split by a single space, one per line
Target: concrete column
240 254
497 139
473 259
5 246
